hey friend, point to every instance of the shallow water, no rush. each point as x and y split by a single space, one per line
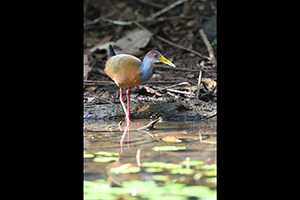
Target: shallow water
198 138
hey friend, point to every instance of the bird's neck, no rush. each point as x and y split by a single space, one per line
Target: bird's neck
146 70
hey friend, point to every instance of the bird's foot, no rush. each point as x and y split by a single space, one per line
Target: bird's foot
128 119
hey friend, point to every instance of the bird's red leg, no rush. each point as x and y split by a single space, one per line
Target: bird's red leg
122 102
128 103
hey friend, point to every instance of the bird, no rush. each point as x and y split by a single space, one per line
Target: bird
128 71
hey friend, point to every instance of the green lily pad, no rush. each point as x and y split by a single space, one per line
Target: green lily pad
172 166
168 148
182 171
104 153
209 167
88 155
154 169
212 181
139 184
192 162
160 177
100 189
118 170
197 191
153 164
161 165
105 159
209 173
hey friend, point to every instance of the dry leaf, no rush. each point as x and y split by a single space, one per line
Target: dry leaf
171 139
152 91
210 84
131 43
92 88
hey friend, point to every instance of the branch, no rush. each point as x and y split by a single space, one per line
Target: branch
207 44
182 47
151 17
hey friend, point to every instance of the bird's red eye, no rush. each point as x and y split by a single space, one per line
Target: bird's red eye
155 55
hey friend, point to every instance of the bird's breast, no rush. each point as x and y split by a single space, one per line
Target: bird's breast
124 70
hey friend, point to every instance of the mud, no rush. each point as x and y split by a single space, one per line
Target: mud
192 110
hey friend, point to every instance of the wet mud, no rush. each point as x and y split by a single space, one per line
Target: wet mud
193 110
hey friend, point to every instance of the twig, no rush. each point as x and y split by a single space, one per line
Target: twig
199 83
153 4
103 99
182 47
211 115
200 137
166 82
151 17
150 125
207 44
177 68
179 91
171 43
117 22
101 83
138 157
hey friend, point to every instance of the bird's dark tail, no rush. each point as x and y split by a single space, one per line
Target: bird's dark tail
111 51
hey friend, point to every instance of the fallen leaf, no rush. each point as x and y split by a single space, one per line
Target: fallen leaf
92 88
130 44
210 84
171 139
152 91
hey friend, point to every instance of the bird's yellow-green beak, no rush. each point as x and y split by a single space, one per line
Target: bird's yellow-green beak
166 61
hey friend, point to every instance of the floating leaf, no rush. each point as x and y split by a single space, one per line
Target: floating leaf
153 169
168 148
209 173
197 191
153 164
105 159
172 166
192 162
120 170
212 181
139 184
171 139
104 153
182 171
161 165
160 177
209 167
88 155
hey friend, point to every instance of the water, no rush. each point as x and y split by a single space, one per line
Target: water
197 137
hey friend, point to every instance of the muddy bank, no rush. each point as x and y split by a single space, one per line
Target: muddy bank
193 110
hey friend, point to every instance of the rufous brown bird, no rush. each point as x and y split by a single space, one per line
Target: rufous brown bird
128 71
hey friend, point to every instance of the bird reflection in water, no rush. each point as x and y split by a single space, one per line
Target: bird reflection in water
127 129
